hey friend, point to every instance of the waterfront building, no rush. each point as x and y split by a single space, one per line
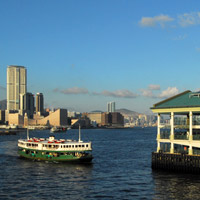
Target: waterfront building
178 143
27 104
16 85
73 114
57 118
117 119
39 103
2 116
114 119
15 119
94 116
106 119
111 106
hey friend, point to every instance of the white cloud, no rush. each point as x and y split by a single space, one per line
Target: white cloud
73 90
169 92
147 93
154 87
118 94
157 20
181 20
152 93
189 19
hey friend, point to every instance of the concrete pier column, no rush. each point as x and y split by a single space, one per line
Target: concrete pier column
158 126
172 148
190 152
190 126
172 126
158 146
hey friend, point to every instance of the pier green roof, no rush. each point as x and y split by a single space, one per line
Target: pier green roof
182 100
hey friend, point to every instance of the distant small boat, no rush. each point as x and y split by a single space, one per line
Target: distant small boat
31 128
58 129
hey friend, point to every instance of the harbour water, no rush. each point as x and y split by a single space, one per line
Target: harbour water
121 169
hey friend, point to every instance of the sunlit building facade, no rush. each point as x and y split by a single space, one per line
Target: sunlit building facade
16 85
111 106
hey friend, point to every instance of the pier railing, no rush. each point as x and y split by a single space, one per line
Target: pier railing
180 137
165 135
196 137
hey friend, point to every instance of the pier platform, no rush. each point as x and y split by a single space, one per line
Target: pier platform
176 162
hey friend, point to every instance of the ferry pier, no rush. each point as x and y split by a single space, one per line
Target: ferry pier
178 141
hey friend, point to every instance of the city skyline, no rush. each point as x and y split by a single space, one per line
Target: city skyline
83 54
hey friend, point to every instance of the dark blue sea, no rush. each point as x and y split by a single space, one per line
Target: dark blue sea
121 169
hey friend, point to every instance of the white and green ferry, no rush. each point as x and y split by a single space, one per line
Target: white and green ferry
50 149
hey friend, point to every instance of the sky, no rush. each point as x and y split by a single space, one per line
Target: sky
83 54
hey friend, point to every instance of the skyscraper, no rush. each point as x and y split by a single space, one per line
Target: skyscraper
27 104
111 106
39 103
16 85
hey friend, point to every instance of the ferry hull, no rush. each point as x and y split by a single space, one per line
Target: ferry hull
54 156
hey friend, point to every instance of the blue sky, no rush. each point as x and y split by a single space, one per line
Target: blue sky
83 54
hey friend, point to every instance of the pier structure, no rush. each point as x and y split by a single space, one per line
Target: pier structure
178 141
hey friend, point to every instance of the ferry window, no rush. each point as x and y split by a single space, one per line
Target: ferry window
66 146
72 146
86 145
69 146
83 145
60 146
76 146
79 145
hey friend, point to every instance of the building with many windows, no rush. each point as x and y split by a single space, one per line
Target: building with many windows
27 103
16 85
39 103
111 106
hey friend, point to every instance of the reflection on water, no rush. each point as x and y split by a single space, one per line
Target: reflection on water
176 186
121 169
43 179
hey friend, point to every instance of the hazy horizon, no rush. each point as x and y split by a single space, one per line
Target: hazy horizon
83 54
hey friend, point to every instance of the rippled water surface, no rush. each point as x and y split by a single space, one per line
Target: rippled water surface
121 169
